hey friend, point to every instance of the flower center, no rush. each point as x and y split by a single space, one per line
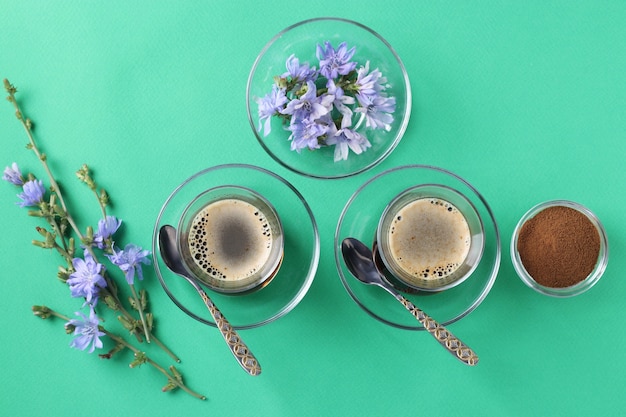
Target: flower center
90 330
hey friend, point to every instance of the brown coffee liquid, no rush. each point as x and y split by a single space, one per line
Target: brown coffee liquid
429 238
230 239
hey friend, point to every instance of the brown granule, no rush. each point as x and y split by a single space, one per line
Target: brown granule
558 247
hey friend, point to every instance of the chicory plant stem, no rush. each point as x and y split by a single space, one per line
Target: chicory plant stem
148 360
27 124
140 310
120 341
51 212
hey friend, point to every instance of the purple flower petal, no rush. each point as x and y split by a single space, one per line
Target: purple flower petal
33 192
13 175
86 331
87 279
335 62
106 228
129 261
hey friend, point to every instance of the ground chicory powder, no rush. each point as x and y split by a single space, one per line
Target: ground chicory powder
559 246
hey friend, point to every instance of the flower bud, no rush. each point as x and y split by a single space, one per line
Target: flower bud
43 232
104 198
140 359
176 373
63 274
51 240
111 303
128 324
169 386
84 175
40 244
9 87
41 311
280 82
149 320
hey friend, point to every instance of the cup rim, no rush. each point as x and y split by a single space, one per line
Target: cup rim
572 290
249 284
480 233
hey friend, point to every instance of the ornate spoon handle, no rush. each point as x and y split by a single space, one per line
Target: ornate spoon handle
239 349
453 344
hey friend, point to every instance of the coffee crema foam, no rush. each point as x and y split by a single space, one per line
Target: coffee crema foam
429 238
230 239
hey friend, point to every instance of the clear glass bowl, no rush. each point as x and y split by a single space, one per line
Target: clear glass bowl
301 248
301 39
592 278
359 219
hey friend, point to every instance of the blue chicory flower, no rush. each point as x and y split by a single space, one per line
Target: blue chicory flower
299 73
316 114
87 331
106 228
129 261
87 279
305 134
309 105
13 175
340 99
377 110
335 62
346 139
270 105
33 192
370 83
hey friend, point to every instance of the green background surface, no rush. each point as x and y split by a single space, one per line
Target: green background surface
525 100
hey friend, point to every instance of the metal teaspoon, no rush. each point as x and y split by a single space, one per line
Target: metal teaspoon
171 257
359 260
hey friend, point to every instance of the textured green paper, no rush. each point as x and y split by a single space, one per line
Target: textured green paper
525 100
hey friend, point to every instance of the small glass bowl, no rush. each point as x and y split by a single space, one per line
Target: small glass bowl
584 285
301 39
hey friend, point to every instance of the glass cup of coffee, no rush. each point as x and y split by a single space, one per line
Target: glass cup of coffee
231 239
430 238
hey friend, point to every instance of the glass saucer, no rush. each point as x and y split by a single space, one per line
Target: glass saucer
301 248
301 39
359 219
